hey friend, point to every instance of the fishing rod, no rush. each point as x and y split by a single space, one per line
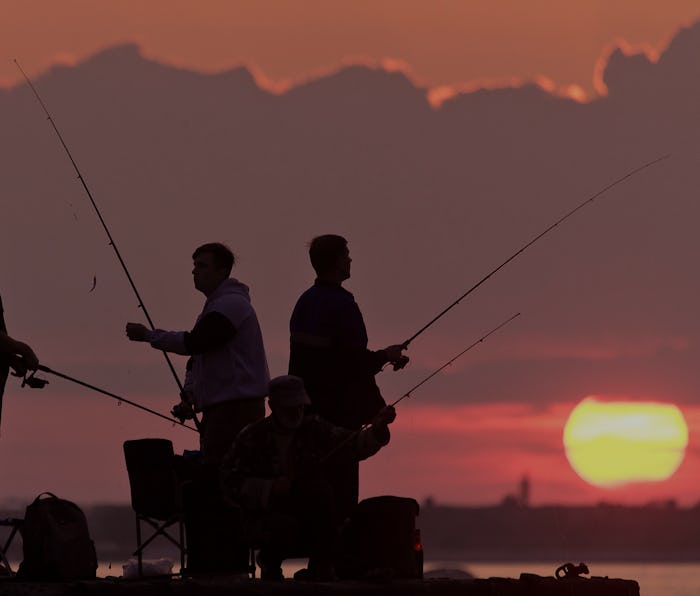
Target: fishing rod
425 380
37 383
112 243
449 362
531 242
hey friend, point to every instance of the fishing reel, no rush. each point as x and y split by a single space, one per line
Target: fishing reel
400 363
569 570
33 381
182 412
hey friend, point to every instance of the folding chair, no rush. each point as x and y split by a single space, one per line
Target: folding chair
155 493
16 524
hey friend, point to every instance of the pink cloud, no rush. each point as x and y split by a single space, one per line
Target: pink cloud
642 53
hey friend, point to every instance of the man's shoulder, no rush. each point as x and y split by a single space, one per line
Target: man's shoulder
231 289
229 303
327 294
255 429
315 425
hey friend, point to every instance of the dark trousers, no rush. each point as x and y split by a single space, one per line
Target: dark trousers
215 538
221 424
300 524
344 478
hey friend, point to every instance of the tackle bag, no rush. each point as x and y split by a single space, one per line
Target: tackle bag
381 541
56 542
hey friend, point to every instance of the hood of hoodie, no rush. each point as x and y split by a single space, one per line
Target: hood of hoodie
230 286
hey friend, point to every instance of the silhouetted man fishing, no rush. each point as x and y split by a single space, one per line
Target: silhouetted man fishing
227 374
14 354
274 472
328 350
227 380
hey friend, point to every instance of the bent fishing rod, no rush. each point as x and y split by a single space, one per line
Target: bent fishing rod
112 243
531 242
37 383
421 383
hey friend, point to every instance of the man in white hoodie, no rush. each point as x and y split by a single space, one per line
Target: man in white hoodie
227 374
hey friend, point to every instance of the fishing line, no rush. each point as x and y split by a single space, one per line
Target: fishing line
531 242
141 305
449 362
37 383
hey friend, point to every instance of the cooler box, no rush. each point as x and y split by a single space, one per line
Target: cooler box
381 539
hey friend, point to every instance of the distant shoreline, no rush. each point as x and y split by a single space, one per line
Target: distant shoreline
660 533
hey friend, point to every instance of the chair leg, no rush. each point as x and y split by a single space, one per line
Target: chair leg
139 553
161 530
252 565
183 545
4 561
15 523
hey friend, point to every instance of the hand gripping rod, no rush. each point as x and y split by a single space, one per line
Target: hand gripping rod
408 393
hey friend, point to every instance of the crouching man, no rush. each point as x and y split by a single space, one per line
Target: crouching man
275 472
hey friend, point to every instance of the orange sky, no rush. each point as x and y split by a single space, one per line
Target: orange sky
485 447
443 42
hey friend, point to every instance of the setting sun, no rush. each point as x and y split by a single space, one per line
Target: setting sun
613 443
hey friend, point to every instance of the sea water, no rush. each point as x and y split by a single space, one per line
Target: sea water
655 579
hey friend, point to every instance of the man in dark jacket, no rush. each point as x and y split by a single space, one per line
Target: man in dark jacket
328 350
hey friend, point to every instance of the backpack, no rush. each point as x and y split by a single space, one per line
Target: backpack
56 541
